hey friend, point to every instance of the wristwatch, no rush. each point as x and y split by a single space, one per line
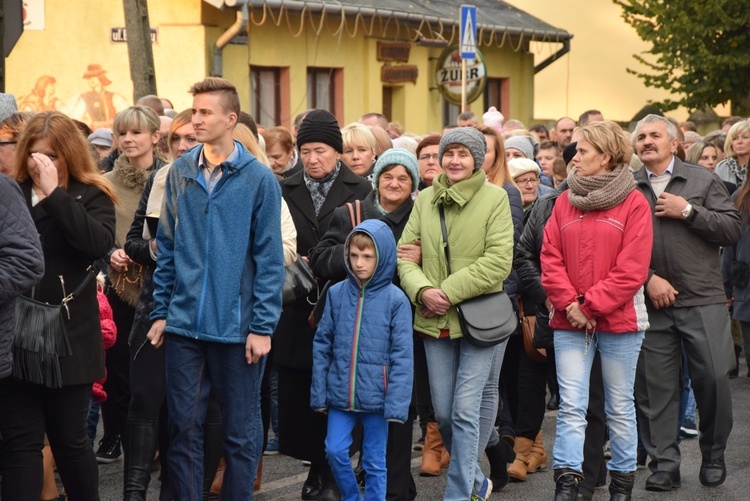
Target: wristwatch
687 211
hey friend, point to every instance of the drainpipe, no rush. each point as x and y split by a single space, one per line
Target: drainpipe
564 50
237 28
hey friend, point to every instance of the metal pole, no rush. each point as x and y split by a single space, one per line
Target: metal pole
2 47
463 85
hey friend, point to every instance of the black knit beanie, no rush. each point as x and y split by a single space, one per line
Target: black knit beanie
319 126
569 152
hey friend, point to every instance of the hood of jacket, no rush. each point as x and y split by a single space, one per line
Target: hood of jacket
385 250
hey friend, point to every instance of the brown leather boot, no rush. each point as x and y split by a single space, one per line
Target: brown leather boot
445 458
219 477
538 456
431 452
258 475
517 471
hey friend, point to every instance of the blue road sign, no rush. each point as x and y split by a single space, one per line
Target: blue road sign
468 32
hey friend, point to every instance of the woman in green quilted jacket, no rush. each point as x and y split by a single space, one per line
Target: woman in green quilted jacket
480 237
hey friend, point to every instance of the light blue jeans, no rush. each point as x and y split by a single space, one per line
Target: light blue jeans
339 439
574 354
488 412
458 374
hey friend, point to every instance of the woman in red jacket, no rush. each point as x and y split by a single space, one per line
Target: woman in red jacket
595 258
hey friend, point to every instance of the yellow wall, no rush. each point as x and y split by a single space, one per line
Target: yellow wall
415 106
73 39
593 74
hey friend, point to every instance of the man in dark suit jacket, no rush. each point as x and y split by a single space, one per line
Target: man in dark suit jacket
693 218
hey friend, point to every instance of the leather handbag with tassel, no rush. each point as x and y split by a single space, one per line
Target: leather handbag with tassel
41 337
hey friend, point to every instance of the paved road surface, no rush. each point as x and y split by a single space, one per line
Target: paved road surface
283 477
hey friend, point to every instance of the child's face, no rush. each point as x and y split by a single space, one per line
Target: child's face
362 262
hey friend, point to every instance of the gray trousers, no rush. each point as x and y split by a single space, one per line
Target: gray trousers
704 333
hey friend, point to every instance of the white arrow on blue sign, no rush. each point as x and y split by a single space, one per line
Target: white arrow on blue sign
468 32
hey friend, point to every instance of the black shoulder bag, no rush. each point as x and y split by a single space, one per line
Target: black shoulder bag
41 337
485 320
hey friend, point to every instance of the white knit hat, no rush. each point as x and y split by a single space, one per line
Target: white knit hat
520 166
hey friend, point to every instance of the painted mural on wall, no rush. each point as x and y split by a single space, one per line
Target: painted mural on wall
96 106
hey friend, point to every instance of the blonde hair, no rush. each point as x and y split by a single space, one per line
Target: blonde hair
608 138
243 134
136 117
182 118
358 134
382 139
737 129
499 172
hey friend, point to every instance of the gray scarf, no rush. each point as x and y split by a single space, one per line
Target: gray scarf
319 188
739 171
594 193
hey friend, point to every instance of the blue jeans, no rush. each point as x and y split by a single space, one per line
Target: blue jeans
92 420
574 354
458 374
687 397
488 434
338 441
193 369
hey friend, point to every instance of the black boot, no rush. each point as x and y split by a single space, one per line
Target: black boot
499 455
330 490
312 487
566 484
736 371
621 485
140 449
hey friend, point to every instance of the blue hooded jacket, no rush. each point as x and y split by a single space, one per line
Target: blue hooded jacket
362 351
220 263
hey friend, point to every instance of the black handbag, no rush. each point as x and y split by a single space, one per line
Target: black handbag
485 320
41 337
299 281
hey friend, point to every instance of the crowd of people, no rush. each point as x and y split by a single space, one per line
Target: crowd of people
625 255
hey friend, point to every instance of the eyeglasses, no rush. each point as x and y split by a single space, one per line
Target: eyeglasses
3 143
426 156
527 181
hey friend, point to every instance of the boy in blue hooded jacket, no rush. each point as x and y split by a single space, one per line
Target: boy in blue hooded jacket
362 358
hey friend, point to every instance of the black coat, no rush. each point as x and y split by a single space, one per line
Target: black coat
76 227
527 261
21 262
293 337
327 258
527 264
137 249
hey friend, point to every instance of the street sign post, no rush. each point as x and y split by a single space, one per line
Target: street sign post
468 44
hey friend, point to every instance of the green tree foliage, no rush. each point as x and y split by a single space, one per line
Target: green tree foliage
700 50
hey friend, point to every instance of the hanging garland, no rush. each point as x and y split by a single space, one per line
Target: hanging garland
412 34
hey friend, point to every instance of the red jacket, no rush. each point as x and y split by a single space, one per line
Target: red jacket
603 256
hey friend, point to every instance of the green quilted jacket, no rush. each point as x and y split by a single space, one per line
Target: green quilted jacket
480 233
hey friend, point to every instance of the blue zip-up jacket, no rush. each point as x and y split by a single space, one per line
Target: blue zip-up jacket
220 263
362 351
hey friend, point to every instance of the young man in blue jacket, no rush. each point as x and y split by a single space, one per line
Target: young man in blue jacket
217 292
362 358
